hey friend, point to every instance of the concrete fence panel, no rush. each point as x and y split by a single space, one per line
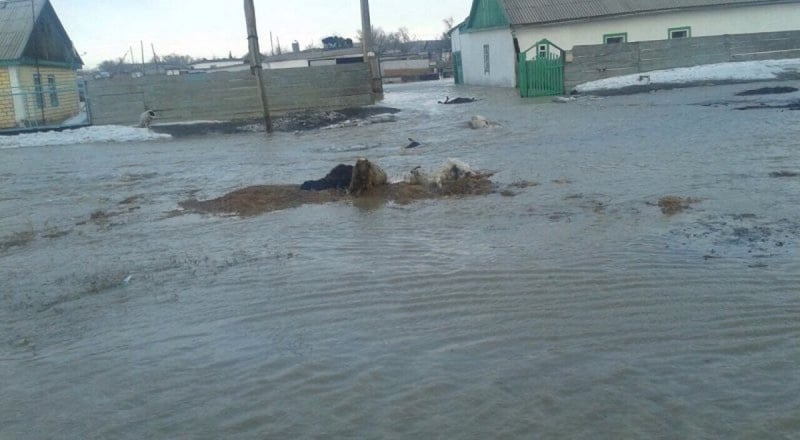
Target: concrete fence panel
590 63
227 96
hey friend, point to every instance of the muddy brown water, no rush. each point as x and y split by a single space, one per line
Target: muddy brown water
574 309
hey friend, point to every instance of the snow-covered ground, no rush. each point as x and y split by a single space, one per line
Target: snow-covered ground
86 135
740 71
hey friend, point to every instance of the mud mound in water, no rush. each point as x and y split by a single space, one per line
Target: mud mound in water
261 199
671 205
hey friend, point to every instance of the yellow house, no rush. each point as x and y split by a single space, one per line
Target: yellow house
38 66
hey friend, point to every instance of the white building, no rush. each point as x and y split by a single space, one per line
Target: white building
496 31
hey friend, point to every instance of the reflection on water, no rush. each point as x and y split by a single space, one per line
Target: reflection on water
570 307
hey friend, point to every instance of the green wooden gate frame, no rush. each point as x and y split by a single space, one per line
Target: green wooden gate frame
543 75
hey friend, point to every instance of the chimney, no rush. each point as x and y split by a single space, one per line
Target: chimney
295 46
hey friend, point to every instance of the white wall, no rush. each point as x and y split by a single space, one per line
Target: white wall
291 64
502 58
18 95
455 40
404 65
704 23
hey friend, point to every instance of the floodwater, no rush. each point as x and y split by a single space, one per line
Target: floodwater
575 309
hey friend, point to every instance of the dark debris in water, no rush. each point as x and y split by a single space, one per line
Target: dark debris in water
779 174
95 284
767 91
737 236
130 200
56 233
794 105
17 239
522 184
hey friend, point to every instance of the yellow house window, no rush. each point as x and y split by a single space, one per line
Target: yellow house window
51 86
38 91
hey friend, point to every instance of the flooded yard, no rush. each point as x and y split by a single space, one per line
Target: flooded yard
637 277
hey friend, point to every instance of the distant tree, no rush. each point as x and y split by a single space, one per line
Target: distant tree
379 39
337 42
176 60
449 24
117 67
402 35
108 66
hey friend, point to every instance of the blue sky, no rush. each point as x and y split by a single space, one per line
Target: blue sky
106 29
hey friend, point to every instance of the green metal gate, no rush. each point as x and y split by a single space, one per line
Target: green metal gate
544 74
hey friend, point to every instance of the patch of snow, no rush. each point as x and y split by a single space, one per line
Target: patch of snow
200 122
86 135
738 71
81 118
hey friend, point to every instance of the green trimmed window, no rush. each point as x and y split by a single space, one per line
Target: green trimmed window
615 38
38 91
680 32
51 86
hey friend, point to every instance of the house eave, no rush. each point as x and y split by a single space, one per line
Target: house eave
645 13
486 29
41 63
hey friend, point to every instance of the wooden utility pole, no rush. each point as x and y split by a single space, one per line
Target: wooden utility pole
370 57
255 58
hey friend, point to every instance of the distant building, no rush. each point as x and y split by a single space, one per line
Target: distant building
487 44
38 66
314 57
224 65
415 61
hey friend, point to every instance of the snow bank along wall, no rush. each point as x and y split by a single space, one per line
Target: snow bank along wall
227 96
589 63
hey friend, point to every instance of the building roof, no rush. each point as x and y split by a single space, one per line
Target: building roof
16 26
313 54
521 12
21 21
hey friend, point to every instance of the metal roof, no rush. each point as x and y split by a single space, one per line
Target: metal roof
16 26
521 12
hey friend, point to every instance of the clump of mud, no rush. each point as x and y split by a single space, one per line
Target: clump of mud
368 182
671 205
